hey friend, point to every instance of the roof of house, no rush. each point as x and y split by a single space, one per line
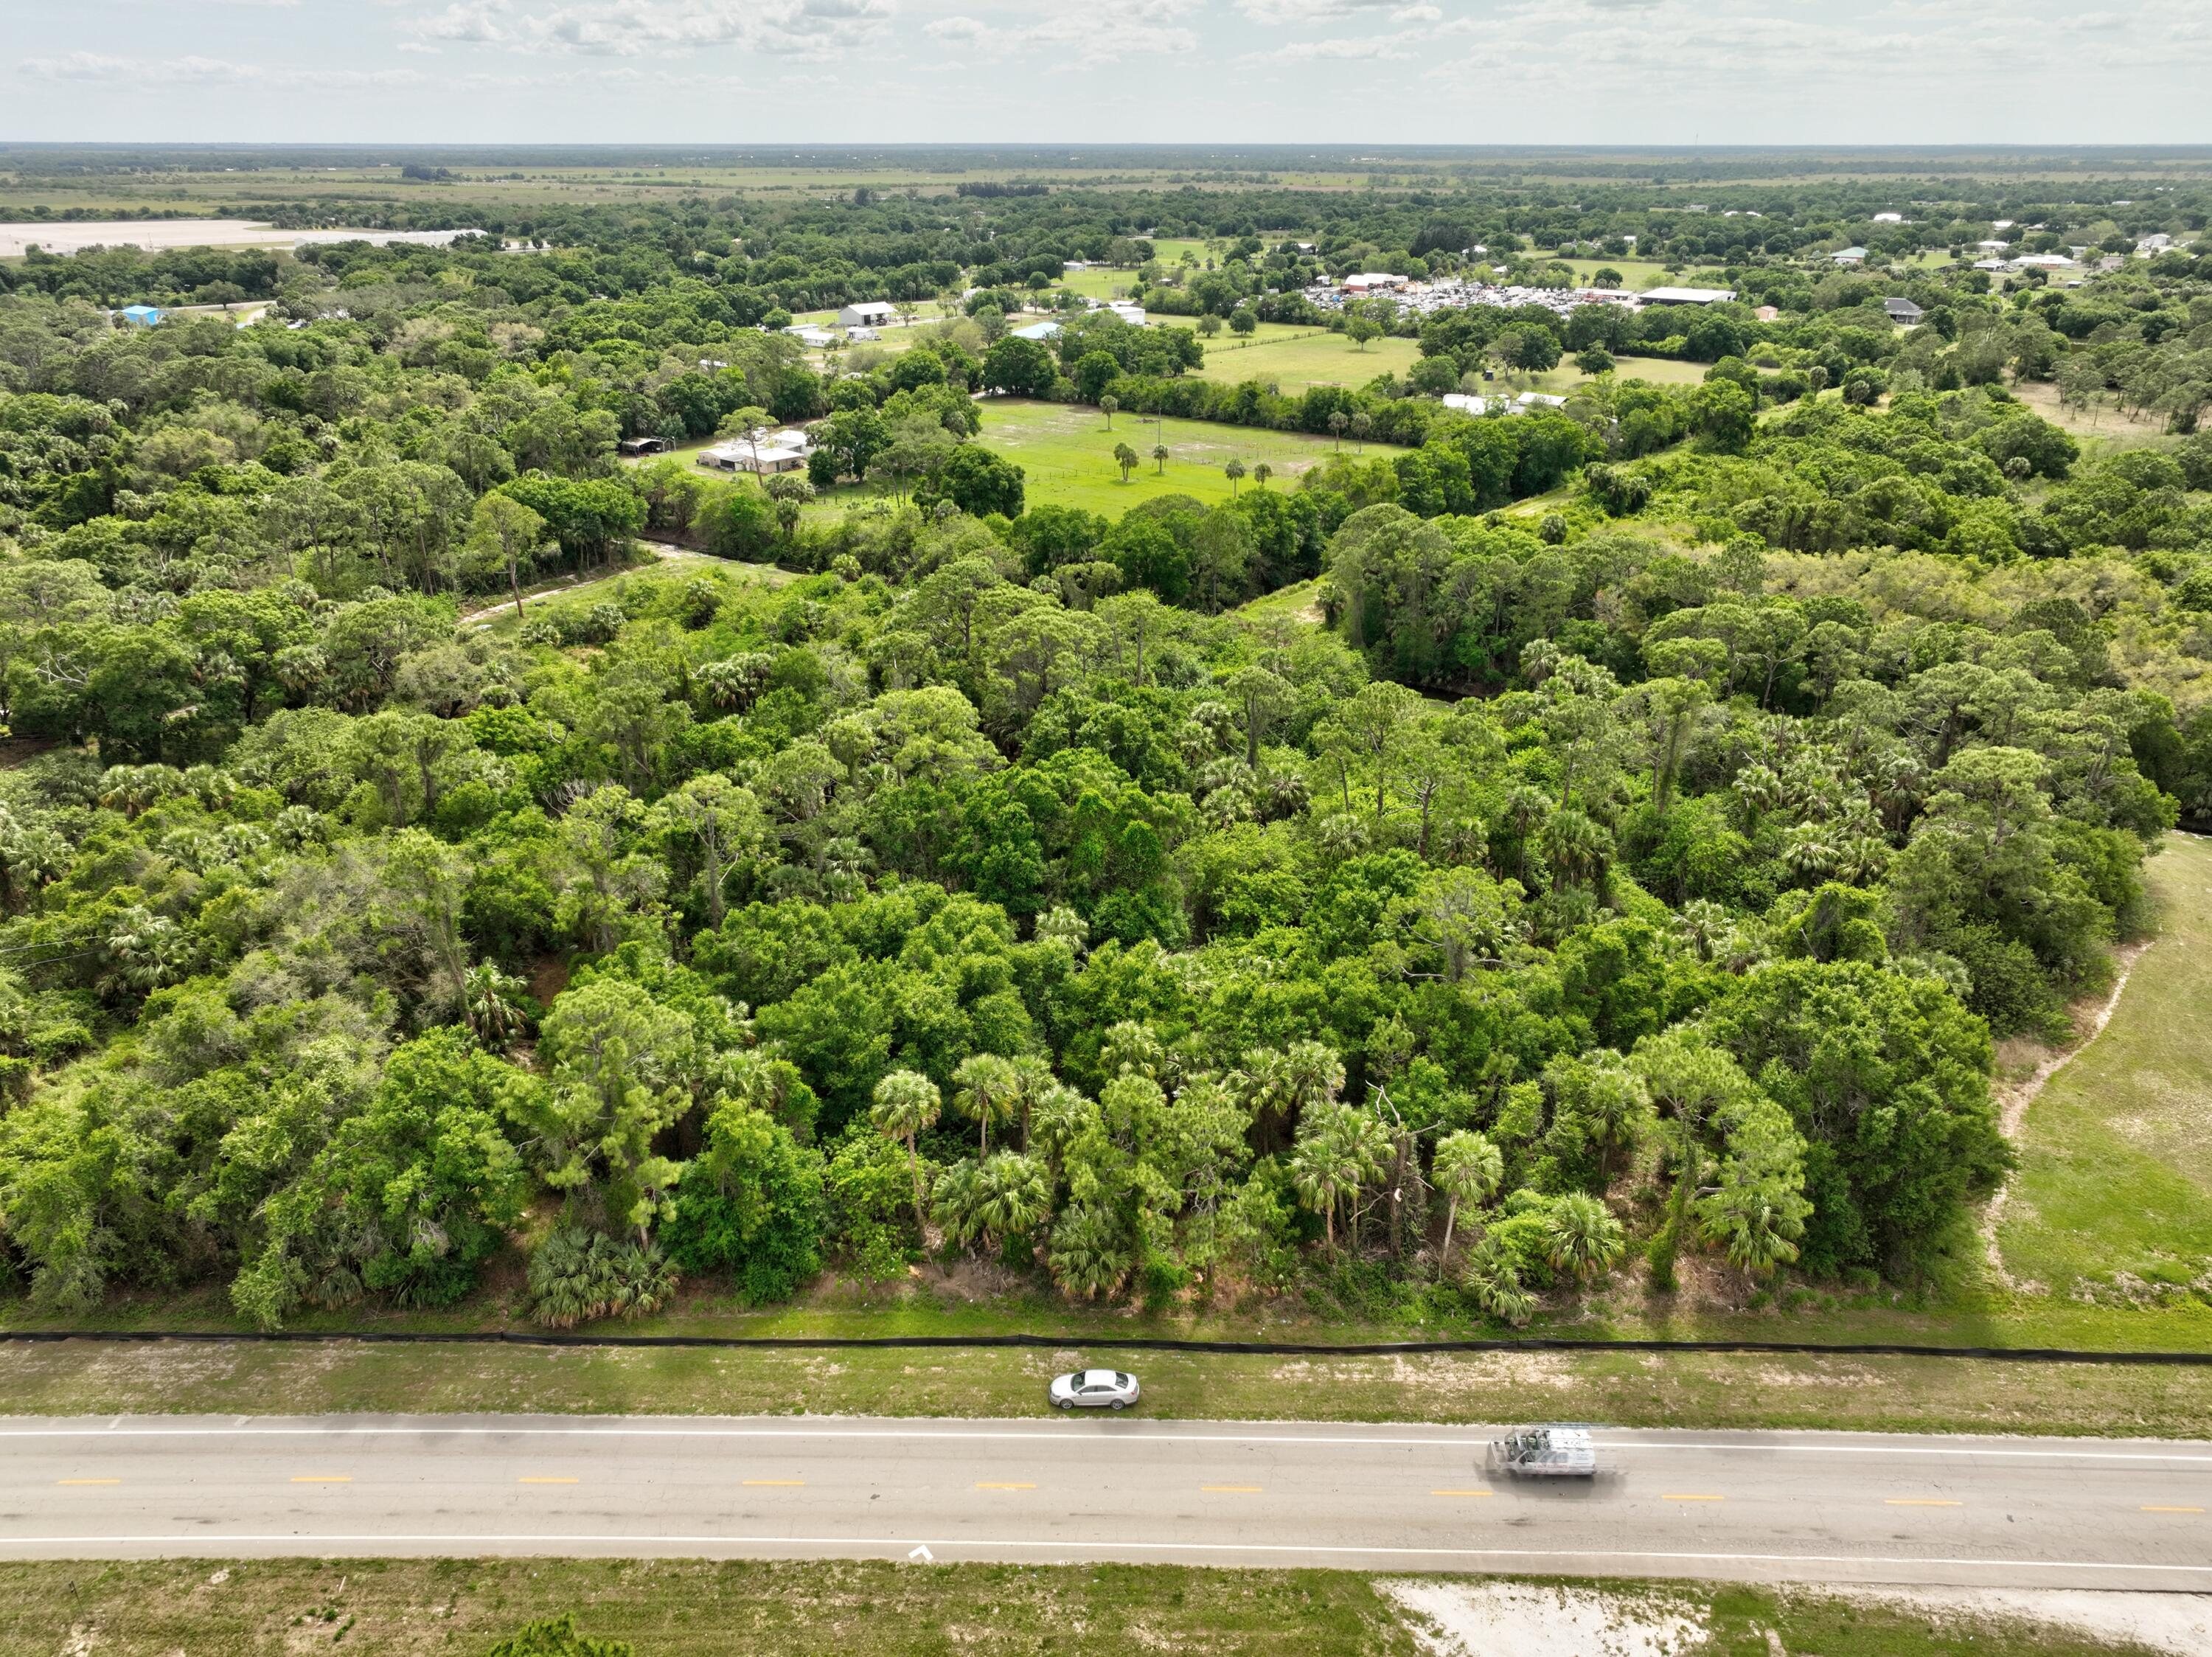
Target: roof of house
1849 253
1687 295
1038 330
872 308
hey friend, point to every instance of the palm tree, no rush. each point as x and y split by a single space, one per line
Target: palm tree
1582 1236
490 1002
1337 422
1617 1104
1755 1221
1339 1150
1013 1196
1125 458
1159 458
1234 472
990 1087
906 1105
1108 406
1468 1169
1089 1254
1034 1083
1362 423
1261 472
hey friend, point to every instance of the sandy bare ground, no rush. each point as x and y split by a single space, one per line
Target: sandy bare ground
1507 1619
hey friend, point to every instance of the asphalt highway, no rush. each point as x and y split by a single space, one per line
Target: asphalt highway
1764 1507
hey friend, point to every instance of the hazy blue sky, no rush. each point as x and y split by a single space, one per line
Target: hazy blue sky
1444 72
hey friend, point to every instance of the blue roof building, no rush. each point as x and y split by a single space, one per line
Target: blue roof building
142 316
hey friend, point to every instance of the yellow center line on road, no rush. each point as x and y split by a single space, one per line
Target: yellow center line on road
1918 1501
545 1481
322 1478
1678 1496
88 1481
779 1484
1005 1487
1459 1493
2170 1510
1230 1490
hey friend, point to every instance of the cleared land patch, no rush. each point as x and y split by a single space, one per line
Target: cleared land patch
1292 358
1065 451
2113 1196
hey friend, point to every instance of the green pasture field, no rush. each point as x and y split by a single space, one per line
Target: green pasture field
790 1608
1066 453
1101 282
1659 370
2114 1191
1291 357
1635 274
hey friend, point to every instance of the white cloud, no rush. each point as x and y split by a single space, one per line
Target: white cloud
629 29
1077 36
191 70
1351 48
1308 11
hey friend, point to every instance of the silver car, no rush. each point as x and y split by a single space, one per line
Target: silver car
1545 1453
1094 1389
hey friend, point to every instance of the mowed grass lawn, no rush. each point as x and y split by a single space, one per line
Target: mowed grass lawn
1291 358
2116 1152
1065 451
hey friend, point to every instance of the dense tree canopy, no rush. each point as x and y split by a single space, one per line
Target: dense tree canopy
1638 873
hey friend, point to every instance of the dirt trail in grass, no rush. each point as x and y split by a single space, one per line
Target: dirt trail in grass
2012 1102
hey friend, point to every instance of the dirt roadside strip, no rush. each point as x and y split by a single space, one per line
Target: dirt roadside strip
2048 1355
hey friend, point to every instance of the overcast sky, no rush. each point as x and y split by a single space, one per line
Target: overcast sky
1437 71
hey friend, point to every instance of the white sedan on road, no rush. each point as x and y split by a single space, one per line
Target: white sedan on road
1094 1389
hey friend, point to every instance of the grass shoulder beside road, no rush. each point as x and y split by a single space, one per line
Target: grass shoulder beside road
673 1608
1625 1389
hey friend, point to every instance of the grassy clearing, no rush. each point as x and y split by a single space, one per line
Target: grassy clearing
1101 282
497 617
2114 1192
674 1608
1292 359
1066 453
1626 1389
2101 427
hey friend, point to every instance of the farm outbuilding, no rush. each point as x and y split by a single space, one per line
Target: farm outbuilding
867 313
1686 295
140 316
